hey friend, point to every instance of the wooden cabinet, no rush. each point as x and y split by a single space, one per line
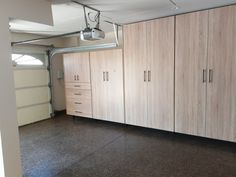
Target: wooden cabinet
135 68
160 55
221 93
76 67
201 76
191 73
77 84
205 82
107 85
149 73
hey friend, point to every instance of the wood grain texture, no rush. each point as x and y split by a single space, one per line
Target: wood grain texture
78 93
115 89
160 55
77 67
135 63
190 61
107 90
221 95
81 86
99 85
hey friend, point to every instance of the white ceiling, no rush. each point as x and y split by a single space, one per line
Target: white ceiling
68 16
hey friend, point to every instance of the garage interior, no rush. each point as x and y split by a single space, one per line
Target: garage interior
118 88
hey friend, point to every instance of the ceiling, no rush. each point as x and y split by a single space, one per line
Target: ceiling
68 16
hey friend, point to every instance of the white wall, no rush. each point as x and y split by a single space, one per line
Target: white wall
22 9
58 84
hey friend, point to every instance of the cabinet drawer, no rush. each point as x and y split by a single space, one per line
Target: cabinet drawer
81 86
78 94
79 113
83 106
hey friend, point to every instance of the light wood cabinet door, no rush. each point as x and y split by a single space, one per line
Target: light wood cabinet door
77 67
99 85
107 85
115 87
135 65
160 58
221 93
190 81
69 68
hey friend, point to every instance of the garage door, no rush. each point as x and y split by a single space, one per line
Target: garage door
31 86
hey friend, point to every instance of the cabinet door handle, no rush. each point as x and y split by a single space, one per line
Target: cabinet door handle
78 77
145 74
149 76
75 77
104 77
107 76
210 75
204 76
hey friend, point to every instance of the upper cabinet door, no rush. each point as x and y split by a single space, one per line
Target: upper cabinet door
160 56
77 67
135 67
69 68
191 73
221 107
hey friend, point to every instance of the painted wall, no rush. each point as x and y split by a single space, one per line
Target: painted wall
21 9
58 84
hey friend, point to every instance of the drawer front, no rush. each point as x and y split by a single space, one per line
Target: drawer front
79 106
79 113
78 94
81 86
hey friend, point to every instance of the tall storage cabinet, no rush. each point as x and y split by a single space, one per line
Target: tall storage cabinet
221 93
77 84
149 73
107 85
205 94
191 73
135 67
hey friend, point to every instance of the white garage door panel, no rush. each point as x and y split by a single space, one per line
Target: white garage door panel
32 96
33 114
29 78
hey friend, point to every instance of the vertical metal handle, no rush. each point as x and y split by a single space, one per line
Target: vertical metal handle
145 74
75 77
210 75
149 76
107 76
104 77
204 80
78 77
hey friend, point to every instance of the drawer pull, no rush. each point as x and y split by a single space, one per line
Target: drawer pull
78 112
77 86
77 103
79 94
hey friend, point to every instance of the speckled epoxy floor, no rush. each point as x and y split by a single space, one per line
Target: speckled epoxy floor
63 147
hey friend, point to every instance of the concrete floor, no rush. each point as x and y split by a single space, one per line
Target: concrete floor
64 147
